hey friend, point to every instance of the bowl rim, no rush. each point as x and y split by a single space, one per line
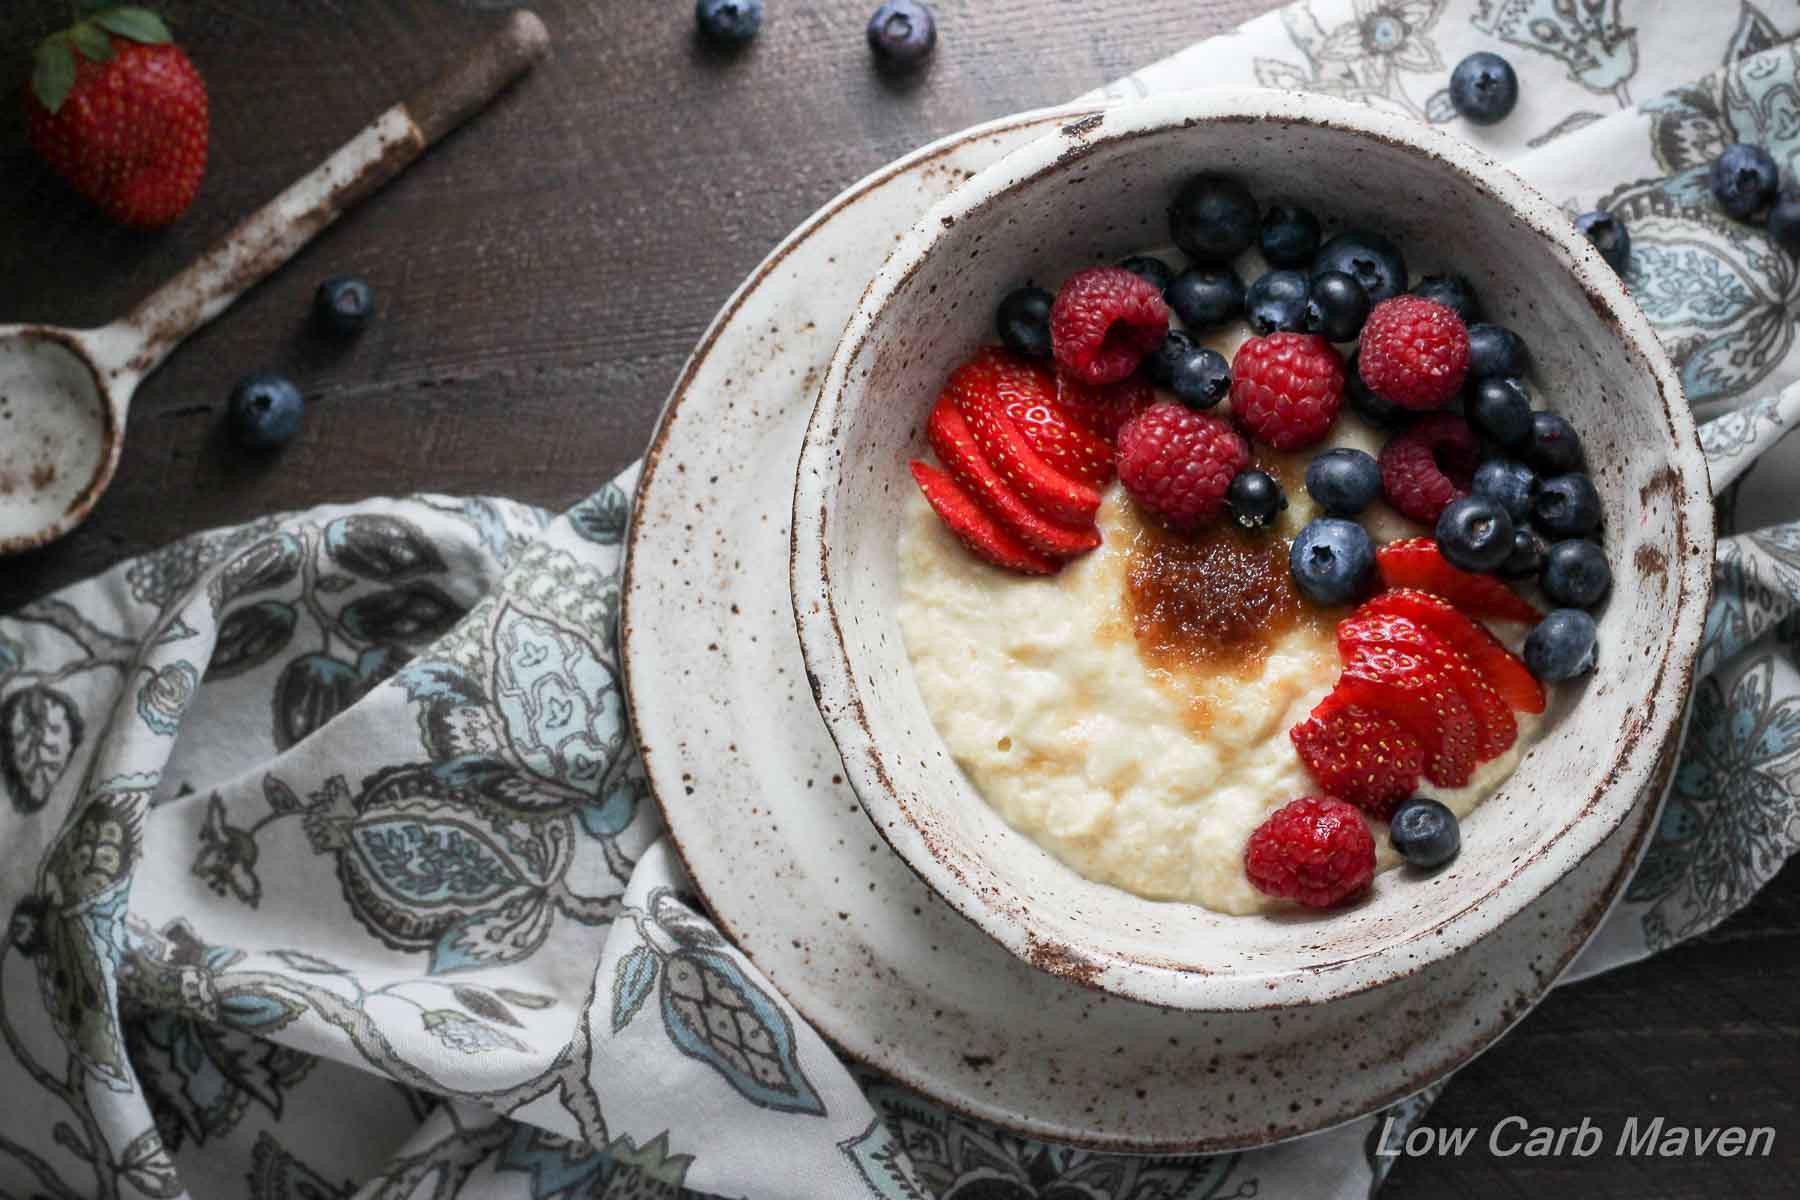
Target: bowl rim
1660 715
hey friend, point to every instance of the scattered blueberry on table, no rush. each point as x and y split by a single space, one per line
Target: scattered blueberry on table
1609 236
729 22
1484 88
902 33
1425 833
1744 180
344 304
1255 499
264 411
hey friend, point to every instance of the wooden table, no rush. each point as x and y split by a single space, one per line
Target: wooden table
542 278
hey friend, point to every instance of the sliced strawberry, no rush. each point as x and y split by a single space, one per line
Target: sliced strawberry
955 446
1495 728
1413 690
981 390
1102 408
978 531
1498 665
1360 755
1062 441
1417 563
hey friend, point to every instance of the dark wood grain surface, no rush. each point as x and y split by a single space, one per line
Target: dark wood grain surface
543 276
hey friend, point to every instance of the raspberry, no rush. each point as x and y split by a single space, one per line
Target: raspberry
1414 352
1179 464
1287 388
1363 757
1313 850
1104 321
1429 465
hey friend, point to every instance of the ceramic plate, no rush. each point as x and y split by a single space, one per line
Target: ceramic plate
780 850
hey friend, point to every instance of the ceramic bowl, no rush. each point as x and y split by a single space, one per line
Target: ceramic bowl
1094 191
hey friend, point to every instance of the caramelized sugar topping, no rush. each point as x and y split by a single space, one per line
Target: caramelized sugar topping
1215 601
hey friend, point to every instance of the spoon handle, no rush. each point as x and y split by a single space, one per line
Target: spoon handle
272 235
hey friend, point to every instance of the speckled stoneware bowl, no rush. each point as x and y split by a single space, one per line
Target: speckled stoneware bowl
1096 190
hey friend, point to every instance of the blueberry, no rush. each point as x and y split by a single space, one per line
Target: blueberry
1343 481
1369 258
1567 507
1744 180
1784 224
902 33
1609 235
729 22
1290 236
1511 485
1499 409
1023 321
1158 272
344 304
1527 557
1564 645
1483 88
1495 350
1206 296
1254 499
1554 448
1475 533
1332 560
1277 301
1383 414
1202 379
1336 306
1453 292
1213 218
1425 833
264 411
1575 574
1159 365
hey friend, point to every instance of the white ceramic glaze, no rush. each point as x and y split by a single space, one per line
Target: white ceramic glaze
788 864
1097 190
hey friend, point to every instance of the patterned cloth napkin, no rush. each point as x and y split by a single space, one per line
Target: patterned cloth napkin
330 864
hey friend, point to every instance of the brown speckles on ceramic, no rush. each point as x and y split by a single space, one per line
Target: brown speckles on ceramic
1596 361
792 870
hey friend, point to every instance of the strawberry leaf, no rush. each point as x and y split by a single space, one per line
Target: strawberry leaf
137 24
91 42
53 72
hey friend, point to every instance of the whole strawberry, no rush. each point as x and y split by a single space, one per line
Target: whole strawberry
119 112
